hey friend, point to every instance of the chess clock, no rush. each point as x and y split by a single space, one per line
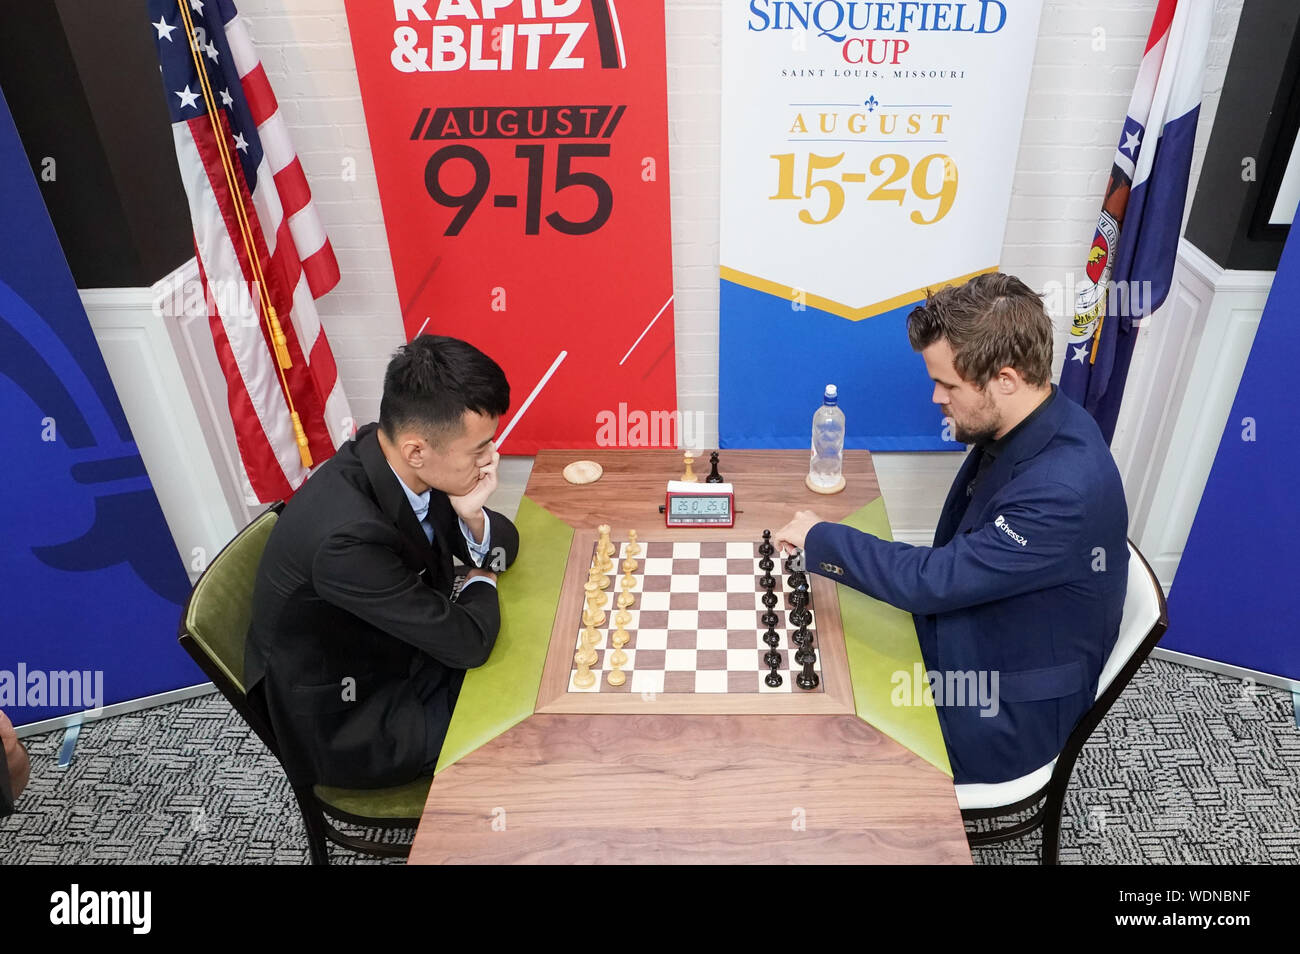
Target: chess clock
699 505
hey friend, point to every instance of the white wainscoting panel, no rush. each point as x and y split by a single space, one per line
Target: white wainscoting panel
1186 369
150 384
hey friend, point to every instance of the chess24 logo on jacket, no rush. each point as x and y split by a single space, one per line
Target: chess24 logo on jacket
1001 524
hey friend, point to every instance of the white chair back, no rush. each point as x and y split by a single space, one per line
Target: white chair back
1141 612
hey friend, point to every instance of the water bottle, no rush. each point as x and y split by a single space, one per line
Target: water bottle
824 471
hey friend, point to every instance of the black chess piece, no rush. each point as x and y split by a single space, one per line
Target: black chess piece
767 581
801 637
807 679
773 678
772 659
771 638
714 477
800 615
769 619
802 656
770 599
765 549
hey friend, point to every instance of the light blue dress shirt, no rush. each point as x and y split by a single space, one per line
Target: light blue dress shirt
420 504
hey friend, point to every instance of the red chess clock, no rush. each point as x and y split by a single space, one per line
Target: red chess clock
699 505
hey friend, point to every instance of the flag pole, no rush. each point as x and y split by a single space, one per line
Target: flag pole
272 320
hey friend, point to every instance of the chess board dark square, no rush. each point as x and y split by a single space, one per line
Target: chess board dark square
741 601
650 659
679 681
684 601
711 659
682 639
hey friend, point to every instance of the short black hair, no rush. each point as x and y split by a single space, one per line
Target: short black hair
432 381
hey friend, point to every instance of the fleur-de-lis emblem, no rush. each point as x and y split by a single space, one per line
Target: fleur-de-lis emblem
871 103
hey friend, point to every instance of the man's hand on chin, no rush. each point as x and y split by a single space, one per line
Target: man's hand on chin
469 507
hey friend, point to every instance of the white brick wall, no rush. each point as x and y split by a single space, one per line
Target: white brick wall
1078 95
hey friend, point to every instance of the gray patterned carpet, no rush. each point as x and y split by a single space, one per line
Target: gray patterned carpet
1188 768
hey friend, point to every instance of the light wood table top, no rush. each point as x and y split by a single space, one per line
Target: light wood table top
640 786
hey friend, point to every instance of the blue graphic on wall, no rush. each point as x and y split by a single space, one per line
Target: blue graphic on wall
1233 597
92 579
773 370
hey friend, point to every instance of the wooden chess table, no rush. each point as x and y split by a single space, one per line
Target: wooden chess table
692 759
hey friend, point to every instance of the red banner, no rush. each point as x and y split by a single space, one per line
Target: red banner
522 154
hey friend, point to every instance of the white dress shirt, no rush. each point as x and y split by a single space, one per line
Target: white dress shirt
420 504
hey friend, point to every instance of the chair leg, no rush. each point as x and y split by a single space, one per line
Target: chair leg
314 822
368 846
996 836
1052 809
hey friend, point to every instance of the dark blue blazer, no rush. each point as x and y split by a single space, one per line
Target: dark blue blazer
1025 582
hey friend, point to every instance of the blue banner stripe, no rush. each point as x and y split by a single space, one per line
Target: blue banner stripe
775 362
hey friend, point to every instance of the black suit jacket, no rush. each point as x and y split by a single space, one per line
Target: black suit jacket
353 625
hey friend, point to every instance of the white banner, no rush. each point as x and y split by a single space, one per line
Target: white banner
868 151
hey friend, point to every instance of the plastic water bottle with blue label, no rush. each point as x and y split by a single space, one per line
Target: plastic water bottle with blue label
825 472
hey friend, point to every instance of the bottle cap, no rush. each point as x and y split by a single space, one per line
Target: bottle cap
832 393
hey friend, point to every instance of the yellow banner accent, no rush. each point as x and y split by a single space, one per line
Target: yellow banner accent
834 307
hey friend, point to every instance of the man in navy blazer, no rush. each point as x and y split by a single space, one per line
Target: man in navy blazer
1018 602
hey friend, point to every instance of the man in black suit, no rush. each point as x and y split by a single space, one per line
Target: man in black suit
358 645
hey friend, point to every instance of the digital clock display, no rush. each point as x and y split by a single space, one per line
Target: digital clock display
701 506
689 509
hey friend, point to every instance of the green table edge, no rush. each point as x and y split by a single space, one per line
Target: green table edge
882 644
503 691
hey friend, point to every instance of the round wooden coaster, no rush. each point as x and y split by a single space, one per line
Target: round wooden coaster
824 490
583 472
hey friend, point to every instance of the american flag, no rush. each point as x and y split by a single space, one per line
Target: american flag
278 223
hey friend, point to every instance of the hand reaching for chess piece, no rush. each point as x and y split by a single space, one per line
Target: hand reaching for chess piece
793 534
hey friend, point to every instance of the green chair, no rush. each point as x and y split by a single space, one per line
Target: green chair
212 630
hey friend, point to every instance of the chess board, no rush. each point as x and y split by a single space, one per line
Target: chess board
695 635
